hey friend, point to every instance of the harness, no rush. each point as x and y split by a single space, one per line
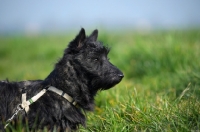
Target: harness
26 103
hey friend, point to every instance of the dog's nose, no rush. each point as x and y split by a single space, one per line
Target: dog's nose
121 75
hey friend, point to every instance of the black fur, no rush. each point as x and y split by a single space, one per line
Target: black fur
81 72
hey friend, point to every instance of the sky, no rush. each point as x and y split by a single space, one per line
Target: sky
62 15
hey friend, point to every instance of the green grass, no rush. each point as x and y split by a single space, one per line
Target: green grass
161 88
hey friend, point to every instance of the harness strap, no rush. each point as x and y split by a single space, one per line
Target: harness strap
26 107
61 93
25 103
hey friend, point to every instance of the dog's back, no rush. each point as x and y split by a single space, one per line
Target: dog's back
11 97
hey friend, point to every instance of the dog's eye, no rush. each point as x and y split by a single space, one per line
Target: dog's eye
96 59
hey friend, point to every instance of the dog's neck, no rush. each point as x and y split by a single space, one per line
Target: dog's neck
78 90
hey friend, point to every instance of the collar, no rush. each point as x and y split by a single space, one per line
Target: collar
25 103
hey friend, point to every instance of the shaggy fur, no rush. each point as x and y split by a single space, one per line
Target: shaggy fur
81 72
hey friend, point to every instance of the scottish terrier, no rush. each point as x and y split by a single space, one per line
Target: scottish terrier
59 101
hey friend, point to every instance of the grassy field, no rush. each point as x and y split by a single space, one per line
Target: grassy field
161 88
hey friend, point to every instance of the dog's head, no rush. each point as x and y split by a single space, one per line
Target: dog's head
90 56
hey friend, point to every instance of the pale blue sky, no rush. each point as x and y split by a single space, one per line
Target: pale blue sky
40 15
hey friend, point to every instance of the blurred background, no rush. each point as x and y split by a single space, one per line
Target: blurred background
35 17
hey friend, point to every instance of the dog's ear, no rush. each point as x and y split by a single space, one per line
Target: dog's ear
94 35
79 40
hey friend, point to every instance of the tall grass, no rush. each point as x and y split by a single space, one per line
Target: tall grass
161 88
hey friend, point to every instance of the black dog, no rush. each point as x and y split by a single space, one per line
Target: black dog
77 77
